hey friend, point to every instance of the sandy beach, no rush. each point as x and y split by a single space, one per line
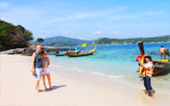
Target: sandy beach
70 88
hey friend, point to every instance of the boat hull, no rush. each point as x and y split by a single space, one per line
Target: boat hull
61 54
78 55
72 52
83 54
161 68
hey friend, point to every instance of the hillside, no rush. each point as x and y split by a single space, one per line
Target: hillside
13 36
63 41
106 41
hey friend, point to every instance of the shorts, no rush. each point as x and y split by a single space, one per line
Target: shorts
46 71
38 72
162 54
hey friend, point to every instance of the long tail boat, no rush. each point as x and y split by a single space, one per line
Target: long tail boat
61 54
161 66
66 52
90 52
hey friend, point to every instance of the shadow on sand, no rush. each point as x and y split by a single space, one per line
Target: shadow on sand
57 87
53 88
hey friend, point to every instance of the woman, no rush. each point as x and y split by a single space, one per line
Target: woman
45 64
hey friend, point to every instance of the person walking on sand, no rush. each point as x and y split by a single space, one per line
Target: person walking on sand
147 73
37 66
162 51
46 63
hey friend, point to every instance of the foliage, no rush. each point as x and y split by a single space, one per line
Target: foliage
13 36
40 40
104 41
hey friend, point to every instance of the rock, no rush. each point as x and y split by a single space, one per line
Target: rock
152 53
12 51
20 50
28 52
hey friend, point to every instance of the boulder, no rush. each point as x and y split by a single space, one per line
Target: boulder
28 52
12 51
20 50
152 53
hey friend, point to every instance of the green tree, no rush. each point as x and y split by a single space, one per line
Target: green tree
11 35
40 40
28 35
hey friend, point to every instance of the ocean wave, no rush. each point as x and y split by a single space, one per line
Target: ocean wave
111 76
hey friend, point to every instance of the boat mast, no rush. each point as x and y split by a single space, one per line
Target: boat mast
140 44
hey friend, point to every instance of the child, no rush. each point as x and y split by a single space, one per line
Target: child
147 73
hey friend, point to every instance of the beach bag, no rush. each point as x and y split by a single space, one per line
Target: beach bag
34 74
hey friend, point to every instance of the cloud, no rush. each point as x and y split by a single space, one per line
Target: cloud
80 16
65 32
87 15
98 32
137 16
4 4
115 32
24 15
43 32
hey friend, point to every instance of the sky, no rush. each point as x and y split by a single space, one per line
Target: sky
89 19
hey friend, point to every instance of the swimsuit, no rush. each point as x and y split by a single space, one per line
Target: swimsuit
46 70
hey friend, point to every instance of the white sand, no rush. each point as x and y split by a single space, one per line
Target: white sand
17 87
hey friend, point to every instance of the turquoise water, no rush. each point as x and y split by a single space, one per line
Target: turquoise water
116 61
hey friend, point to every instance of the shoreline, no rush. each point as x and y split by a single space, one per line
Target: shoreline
103 79
70 88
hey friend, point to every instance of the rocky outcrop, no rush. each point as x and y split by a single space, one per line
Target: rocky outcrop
14 51
30 50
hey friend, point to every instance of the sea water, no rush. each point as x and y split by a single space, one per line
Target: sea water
115 61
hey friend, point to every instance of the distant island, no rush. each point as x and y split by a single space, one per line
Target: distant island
63 41
66 41
110 41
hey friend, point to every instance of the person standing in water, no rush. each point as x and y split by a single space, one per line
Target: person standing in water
37 65
162 51
46 63
147 73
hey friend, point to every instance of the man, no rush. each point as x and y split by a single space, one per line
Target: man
147 73
37 65
162 51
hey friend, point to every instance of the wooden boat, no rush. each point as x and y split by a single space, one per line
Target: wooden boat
161 66
74 51
61 54
66 52
90 52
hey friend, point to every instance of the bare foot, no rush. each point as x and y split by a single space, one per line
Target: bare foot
46 89
147 93
153 96
37 90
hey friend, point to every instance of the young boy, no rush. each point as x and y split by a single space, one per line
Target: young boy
162 51
147 73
